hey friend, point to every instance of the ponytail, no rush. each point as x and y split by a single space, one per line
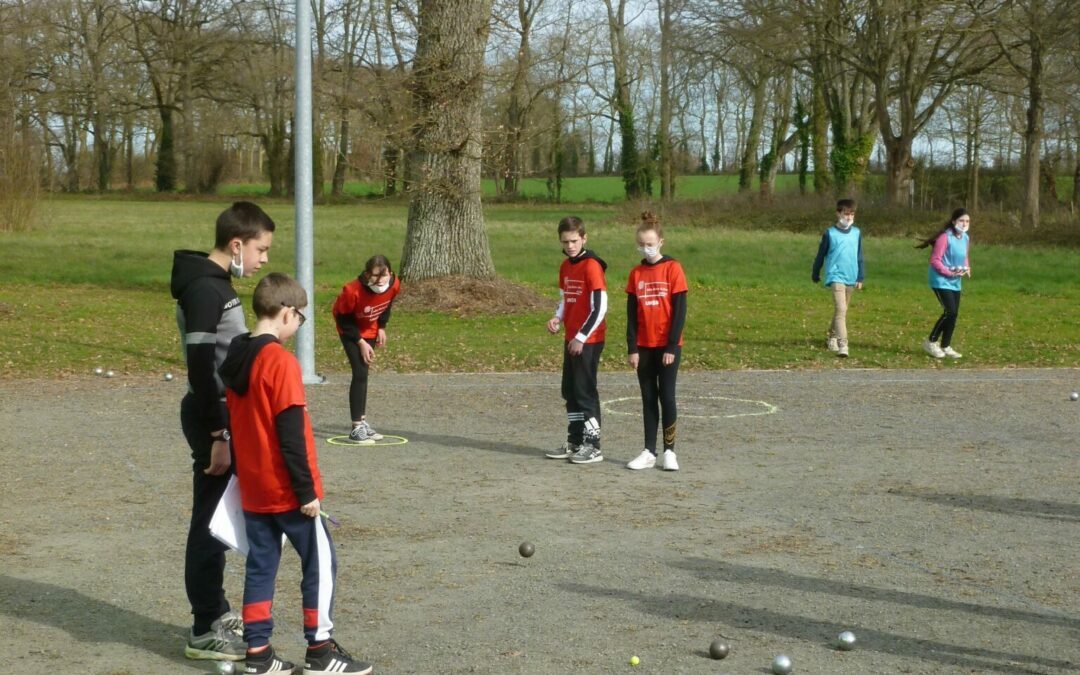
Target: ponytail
949 225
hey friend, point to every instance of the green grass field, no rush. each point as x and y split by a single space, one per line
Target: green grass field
89 287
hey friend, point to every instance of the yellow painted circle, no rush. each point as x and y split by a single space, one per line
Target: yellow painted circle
386 440
766 407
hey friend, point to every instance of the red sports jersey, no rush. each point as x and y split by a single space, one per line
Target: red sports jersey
275 384
366 305
654 285
577 282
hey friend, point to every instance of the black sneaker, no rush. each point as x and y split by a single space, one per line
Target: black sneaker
331 658
267 661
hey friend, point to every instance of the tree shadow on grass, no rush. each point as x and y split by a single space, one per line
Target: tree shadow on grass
90 620
694 608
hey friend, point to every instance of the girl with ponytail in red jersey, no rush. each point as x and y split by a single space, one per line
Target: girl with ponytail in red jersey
361 312
656 313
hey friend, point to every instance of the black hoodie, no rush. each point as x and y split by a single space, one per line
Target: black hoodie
209 316
236 374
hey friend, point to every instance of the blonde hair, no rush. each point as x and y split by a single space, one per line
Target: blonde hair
276 291
650 223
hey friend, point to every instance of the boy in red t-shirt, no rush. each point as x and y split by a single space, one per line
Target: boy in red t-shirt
280 484
656 313
361 313
581 309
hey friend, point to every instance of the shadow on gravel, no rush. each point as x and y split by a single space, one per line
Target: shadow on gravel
1036 508
714 570
693 608
89 620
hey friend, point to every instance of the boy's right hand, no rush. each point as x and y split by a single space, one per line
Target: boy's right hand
367 352
311 509
553 325
633 360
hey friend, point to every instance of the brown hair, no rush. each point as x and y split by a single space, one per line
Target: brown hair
572 224
376 262
845 205
275 291
650 223
244 220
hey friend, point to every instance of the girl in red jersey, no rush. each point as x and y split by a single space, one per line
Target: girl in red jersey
656 313
362 311
580 313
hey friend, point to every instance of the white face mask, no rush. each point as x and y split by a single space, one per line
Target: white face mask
961 227
845 222
237 268
649 251
379 288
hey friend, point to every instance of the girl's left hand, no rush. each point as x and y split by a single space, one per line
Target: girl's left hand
668 359
380 339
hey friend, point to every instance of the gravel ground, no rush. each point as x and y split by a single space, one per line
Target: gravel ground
934 513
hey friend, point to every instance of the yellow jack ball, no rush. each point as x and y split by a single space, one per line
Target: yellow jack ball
634 660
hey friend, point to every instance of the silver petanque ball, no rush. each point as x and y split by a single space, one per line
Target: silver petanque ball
845 641
781 665
226 667
109 373
168 377
99 371
1075 396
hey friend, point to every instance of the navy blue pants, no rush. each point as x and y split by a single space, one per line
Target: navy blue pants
311 539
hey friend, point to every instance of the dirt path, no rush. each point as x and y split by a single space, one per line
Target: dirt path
934 513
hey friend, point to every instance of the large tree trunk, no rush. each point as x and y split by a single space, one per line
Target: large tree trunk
342 162
445 233
165 178
1033 134
899 167
663 134
748 164
819 136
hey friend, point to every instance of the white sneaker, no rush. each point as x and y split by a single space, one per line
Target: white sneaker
646 460
670 462
951 353
833 344
932 349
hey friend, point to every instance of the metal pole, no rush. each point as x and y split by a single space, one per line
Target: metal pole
305 268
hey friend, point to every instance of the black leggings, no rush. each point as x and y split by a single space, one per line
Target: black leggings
358 387
950 305
658 393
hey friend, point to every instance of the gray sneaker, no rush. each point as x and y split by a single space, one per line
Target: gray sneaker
563 451
221 643
371 433
587 454
360 436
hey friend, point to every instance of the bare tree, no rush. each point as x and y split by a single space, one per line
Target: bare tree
1029 32
445 233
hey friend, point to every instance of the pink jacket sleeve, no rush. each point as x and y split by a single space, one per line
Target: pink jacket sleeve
940 246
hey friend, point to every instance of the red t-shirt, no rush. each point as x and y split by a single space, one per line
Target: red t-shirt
577 282
366 305
654 285
275 384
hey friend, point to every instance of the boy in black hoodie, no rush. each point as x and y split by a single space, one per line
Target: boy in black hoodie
280 484
209 316
582 306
